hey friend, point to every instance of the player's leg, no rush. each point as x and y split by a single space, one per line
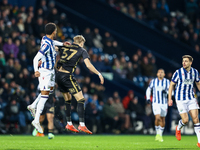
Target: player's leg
161 127
67 96
32 107
50 117
194 114
46 83
183 111
81 112
157 111
35 132
182 122
40 107
163 114
157 123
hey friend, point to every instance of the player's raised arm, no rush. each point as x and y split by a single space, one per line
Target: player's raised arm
93 69
171 88
57 43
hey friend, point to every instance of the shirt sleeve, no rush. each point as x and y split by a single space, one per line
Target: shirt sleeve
167 86
148 91
197 76
85 55
44 48
35 61
57 43
175 77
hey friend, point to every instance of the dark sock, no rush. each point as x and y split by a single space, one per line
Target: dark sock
50 130
81 111
68 110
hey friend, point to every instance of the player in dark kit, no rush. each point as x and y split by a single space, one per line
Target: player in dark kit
70 56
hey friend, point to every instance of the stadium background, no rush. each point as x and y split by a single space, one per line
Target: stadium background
127 41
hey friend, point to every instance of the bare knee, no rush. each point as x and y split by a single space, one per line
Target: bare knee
185 120
195 120
157 118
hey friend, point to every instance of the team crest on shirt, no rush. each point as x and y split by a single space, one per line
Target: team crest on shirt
71 90
43 47
181 110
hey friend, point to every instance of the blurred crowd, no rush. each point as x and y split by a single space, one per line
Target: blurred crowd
183 26
20 32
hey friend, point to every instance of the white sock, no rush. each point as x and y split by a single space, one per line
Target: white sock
180 125
69 123
34 104
197 131
161 130
82 123
157 130
40 107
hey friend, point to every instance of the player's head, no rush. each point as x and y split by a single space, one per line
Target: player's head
80 40
161 73
50 29
187 61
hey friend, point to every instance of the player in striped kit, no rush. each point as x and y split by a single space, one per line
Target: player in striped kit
160 87
46 72
183 80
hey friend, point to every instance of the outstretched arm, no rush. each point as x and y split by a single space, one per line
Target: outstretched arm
57 43
171 88
93 69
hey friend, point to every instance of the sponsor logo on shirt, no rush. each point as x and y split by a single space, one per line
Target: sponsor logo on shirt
188 81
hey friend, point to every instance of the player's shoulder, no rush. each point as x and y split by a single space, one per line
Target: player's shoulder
166 79
178 70
83 49
47 41
194 69
152 80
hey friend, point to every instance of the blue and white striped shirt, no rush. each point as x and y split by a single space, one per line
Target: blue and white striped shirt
48 50
184 83
160 89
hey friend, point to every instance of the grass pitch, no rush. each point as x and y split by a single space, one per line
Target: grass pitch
95 142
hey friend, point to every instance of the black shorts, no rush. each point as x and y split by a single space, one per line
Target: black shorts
67 83
48 108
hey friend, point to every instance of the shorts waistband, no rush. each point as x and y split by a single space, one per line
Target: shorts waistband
47 69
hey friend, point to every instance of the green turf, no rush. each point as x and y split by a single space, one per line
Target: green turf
96 142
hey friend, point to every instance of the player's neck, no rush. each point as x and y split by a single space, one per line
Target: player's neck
188 69
160 78
78 44
50 36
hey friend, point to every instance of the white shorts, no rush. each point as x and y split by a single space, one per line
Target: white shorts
159 109
46 79
186 105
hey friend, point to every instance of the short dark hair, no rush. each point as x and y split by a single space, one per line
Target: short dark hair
50 28
189 57
161 69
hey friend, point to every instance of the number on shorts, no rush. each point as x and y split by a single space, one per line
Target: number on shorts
65 55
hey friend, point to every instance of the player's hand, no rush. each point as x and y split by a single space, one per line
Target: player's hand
170 102
39 63
37 74
56 48
66 43
101 79
148 101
